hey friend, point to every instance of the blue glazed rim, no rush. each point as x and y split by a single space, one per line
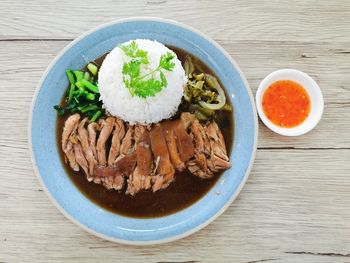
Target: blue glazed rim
119 228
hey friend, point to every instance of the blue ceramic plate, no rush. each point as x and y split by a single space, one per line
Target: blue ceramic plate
45 154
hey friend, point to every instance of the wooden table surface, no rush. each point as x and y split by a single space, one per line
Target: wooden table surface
295 206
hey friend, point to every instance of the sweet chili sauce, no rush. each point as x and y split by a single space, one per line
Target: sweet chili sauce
286 103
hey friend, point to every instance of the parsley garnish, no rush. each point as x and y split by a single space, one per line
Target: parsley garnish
149 84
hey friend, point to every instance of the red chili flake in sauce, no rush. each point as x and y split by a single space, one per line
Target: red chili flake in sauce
286 103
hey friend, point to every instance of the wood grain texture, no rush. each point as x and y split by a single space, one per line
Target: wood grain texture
295 205
242 20
299 205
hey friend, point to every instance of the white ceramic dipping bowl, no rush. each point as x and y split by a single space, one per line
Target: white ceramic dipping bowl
311 88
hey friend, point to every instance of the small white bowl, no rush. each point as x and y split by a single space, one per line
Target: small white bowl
311 88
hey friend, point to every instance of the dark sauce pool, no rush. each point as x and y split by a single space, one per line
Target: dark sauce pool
185 190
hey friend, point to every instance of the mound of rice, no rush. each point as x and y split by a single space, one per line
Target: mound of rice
117 99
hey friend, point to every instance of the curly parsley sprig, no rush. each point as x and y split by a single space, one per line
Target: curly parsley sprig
148 84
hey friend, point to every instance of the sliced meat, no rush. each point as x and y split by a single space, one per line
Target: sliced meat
198 165
184 141
187 119
113 182
69 131
106 130
170 138
79 156
92 131
127 142
218 155
118 135
84 140
70 126
217 138
69 153
165 170
113 177
138 132
124 166
141 177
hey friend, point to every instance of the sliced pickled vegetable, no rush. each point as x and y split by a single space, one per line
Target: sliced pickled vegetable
227 107
199 76
195 107
187 94
189 67
221 99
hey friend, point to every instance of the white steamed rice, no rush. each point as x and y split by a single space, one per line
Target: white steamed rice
117 99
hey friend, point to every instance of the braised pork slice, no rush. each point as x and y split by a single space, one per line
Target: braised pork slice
198 165
187 119
124 166
106 130
69 153
170 138
127 142
184 141
113 177
218 155
79 156
141 177
70 126
69 130
144 157
138 132
164 172
118 135
92 131
84 140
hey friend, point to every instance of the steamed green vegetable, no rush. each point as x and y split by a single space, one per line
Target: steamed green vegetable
83 94
92 68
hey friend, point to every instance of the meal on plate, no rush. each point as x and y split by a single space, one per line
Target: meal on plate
151 122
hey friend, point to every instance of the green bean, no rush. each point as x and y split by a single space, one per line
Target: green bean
89 96
96 116
70 76
87 108
92 68
89 85
79 75
87 76
71 92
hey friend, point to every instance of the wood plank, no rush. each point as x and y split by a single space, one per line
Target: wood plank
256 59
294 208
239 20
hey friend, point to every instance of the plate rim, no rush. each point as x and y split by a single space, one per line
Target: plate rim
192 230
